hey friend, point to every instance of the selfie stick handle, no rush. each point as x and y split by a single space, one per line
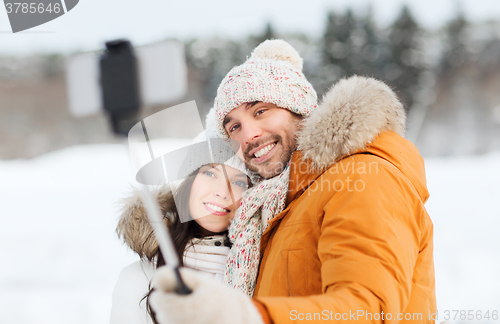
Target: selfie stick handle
182 288
164 239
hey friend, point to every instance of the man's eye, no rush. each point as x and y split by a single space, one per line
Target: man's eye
259 112
233 128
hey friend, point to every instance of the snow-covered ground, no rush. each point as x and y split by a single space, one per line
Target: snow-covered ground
464 207
61 257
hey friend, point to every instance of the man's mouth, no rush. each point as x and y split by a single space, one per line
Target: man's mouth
263 151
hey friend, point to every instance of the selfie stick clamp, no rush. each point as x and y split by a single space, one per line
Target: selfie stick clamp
120 85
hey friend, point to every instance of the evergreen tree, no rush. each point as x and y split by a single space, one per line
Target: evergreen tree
370 51
405 67
268 33
208 62
337 43
455 49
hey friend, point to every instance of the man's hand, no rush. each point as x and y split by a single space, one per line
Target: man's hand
210 301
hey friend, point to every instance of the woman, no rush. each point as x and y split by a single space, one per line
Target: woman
206 201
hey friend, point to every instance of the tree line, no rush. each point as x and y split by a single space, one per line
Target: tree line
405 55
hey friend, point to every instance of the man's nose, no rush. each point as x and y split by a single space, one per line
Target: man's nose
251 131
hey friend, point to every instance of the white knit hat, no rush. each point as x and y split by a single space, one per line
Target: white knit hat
272 74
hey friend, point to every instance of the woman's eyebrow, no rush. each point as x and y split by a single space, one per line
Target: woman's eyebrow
209 168
219 169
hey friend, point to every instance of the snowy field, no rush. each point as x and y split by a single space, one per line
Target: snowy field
61 257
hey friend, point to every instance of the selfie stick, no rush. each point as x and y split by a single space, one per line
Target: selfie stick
163 237
121 99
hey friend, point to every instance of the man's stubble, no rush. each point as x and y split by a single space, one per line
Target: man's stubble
289 146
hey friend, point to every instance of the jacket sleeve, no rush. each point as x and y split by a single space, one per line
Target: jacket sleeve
131 287
368 247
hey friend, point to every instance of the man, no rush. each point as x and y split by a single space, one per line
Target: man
338 224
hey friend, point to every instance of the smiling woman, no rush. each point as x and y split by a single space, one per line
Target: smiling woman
197 212
215 196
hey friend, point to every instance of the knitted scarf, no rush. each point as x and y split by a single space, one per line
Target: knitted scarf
259 205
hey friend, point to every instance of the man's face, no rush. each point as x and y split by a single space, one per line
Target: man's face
267 135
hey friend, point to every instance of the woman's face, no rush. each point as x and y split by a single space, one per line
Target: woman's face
210 201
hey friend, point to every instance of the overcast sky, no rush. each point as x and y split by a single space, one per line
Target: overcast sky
92 22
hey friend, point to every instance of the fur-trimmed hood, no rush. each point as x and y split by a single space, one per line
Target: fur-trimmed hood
356 115
352 114
133 226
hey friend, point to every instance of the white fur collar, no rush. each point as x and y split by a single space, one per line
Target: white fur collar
352 113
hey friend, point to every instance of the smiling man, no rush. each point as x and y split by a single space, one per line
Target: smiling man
337 228
268 138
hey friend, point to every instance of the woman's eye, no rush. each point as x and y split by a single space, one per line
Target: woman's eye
208 173
242 184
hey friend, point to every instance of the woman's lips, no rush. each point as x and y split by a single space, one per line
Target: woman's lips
214 212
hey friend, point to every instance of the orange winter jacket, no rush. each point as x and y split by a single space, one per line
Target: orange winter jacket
355 243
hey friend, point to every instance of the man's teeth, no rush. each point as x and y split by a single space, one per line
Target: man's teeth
217 208
264 150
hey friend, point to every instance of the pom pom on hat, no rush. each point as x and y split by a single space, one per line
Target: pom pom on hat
278 50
